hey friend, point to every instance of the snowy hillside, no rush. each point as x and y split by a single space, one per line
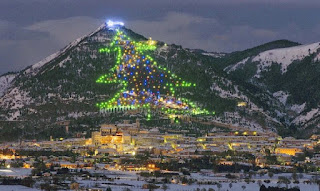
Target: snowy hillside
284 56
63 86
33 70
5 82
284 79
236 66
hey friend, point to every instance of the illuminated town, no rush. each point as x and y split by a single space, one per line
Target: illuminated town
129 155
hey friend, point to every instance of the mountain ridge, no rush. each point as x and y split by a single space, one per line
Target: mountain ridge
55 88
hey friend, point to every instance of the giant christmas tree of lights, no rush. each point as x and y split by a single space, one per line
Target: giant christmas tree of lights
145 84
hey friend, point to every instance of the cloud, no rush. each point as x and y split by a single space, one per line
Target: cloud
205 33
67 30
40 31
24 46
11 31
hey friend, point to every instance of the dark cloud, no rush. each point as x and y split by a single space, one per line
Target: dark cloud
11 31
31 30
23 46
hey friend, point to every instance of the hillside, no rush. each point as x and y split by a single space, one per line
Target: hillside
287 80
63 87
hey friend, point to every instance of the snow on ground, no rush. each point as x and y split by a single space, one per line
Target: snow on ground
76 114
14 116
163 49
137 186
16 188
237 65
15 99
5 82
64 61
15 172
306 117
298 108
238 95
130 180
284 56
214 54
281 96
125 179
317 58
34 68
223 93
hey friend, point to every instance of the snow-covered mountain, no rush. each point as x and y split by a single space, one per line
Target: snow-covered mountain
289 76
63 86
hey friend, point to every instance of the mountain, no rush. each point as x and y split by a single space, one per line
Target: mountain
63 87
286 80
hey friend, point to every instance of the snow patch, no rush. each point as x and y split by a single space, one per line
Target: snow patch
15 99
214 54
317 58
306 117
34 68
5 82
14 116
281 96
237 65
298 108
283 56
64 61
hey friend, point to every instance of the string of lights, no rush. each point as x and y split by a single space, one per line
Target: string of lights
145 84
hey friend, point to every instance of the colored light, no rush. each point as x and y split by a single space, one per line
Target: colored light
134 70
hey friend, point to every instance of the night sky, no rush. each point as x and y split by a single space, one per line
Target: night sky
30 30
